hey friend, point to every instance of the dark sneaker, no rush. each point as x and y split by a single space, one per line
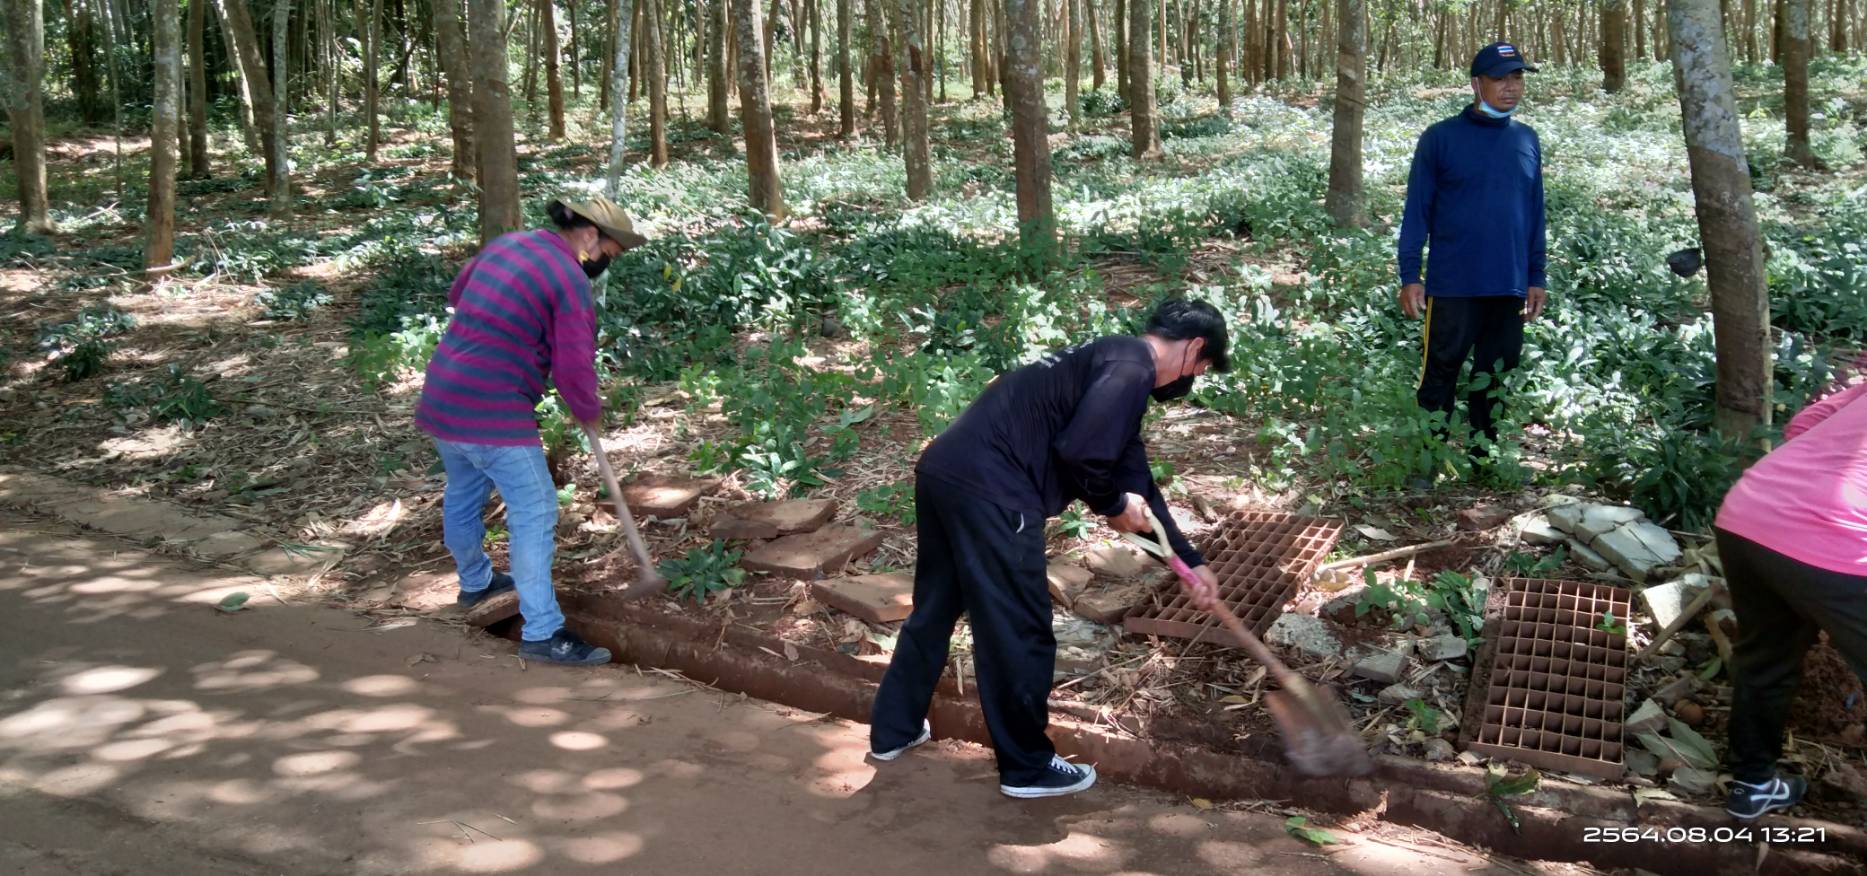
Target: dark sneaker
501 583
564 647
926 734
1749 802
1061 778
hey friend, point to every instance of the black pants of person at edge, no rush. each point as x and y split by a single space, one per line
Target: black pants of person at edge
987 561
1782 605
1489 329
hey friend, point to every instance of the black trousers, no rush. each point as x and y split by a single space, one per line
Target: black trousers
1781 605
1490 329
988 562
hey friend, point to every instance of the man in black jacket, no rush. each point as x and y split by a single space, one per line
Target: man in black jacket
1063 428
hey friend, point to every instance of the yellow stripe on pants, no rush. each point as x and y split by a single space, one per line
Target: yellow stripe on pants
1426 344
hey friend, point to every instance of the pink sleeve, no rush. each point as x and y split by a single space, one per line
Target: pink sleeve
1819 411
573 359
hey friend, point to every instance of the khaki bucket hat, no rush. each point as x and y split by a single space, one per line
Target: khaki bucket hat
609 219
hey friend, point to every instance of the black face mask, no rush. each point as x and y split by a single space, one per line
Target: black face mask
594 268
1178 389
1175 390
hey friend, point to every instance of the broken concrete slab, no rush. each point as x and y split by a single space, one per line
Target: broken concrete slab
1598 520
1665 602
1587 556
1649 718
1537 530
280 561
1067 582
1439 750
1109 605
664 497
1693 781
222 545
1398 695
775 519
130 518
1629 553
878 599
1304 634
813 555
1566 517
1448 647
1382 666
1119 560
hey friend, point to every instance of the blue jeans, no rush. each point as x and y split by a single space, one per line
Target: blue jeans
523 480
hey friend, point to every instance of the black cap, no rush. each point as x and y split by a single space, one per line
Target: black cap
1498 60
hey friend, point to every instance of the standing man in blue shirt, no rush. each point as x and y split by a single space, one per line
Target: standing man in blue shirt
1475 194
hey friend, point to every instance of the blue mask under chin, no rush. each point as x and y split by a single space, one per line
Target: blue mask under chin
1494 112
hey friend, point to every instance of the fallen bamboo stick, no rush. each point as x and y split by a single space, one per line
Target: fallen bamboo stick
1382 557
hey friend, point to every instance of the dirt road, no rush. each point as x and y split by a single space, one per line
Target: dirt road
141 731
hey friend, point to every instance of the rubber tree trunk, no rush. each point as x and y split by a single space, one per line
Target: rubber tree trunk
1222 60
882 73
554 82
845 77
982 78
1122 49
654 67
451 44
372 88
492 119
281 110
164 120
1030 132
1146 120
764 188
1613 45
1097 63
816 56
914 99
719 117
1073 60
241 43
81 38
25 106
619 85
1343 201
197 90
1796 45
1727 218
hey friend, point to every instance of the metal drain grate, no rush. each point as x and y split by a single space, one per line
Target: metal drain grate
1260 558
1557 687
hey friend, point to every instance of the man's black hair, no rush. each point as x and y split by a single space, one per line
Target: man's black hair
566 219
1178 319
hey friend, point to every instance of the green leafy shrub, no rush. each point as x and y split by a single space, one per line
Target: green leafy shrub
296 301
703 571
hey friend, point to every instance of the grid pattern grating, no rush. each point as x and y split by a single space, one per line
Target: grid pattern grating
1556 695
1260 559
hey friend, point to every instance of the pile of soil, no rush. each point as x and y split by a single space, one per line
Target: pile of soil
1822 708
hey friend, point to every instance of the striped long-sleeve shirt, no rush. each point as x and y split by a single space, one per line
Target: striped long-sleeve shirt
521 311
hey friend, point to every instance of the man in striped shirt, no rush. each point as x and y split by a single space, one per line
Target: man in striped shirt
522 314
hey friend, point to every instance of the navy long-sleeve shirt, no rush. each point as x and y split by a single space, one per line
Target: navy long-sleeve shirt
1475 194
1065 427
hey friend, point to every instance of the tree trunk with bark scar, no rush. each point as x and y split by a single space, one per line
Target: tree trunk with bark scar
914 100
1145 120
765 190
492 119
1029 128
1343 202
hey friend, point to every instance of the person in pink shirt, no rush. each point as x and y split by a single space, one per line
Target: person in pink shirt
1792 535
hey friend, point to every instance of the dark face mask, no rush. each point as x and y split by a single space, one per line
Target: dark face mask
1175 390
594 268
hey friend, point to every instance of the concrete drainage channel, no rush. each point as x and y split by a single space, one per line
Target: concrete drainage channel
1559 822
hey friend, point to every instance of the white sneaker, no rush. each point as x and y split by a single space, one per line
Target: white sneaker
1060 779
926 734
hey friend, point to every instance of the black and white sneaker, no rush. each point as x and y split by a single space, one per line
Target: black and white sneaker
1060 779
1749 802
565 648
891 754
500 583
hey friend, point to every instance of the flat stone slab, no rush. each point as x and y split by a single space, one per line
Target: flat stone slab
1109 605
1667 601
1635 549
222 545
1538 530
131 518
665 497
813 555
878 599
1588 557
774 519
1446 647
1600 520
1119 560
1309 635
1067 582
1385 667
